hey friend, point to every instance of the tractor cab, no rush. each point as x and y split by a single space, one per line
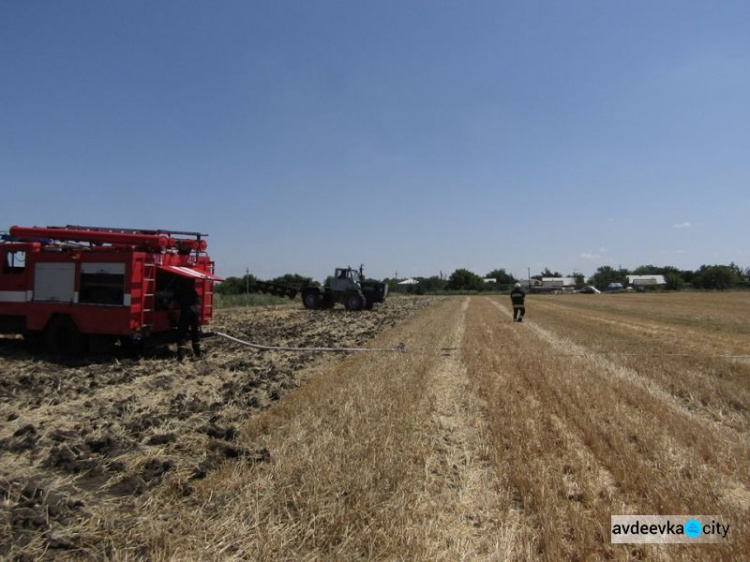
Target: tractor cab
346 279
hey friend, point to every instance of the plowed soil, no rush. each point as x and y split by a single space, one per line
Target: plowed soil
79 436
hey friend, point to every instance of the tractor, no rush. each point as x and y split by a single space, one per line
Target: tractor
348 287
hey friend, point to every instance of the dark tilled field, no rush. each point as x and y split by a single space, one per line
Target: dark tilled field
76 437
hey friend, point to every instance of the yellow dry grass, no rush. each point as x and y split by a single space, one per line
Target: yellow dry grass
519 444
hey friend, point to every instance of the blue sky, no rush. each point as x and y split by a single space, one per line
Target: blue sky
415 137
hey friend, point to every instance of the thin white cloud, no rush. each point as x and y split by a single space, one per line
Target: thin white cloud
683 225
589 256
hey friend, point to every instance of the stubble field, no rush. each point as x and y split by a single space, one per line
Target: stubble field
484 440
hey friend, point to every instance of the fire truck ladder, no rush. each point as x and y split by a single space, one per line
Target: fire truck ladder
132 230
150 240
149 295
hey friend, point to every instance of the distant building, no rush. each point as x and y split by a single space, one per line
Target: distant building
558 282
530 283
646 280
406 283
490 280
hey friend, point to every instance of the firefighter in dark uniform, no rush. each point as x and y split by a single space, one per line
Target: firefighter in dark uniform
189 303
517 297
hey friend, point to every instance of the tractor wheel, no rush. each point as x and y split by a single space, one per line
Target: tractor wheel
311 300
355 301
63 339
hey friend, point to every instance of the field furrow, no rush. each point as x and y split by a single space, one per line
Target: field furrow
658 459
693 369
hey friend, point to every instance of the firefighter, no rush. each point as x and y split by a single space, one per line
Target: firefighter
189 303
517 297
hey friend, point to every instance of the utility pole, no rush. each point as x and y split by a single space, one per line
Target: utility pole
247 280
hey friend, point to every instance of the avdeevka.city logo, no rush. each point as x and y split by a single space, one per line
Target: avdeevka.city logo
693 528
630 529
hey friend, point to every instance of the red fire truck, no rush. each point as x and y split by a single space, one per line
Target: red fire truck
74 285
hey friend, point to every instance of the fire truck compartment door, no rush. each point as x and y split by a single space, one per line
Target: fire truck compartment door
55 282
103 268
189 273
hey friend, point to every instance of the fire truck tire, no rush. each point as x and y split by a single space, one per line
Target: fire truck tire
311 300
101 344
34 341
354 301
62 338
131 348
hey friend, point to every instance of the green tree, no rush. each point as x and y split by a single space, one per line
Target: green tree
465 280
501 276
547 273
648 270
606 275
431 284
687 275
737 271
235 285
675 282
716 277
580 279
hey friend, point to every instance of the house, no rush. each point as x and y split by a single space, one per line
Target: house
646 280
406 283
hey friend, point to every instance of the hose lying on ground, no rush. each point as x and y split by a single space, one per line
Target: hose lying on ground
401 348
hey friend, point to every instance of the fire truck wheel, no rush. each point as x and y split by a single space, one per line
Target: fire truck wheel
34 341
101 344
131 348
63 339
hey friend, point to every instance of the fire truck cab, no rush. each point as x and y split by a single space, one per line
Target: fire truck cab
70 286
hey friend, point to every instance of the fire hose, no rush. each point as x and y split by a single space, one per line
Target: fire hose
400 348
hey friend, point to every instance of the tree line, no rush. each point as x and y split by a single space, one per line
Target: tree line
246 283
706 277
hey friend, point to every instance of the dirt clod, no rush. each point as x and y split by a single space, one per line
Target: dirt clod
162 439
231 451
